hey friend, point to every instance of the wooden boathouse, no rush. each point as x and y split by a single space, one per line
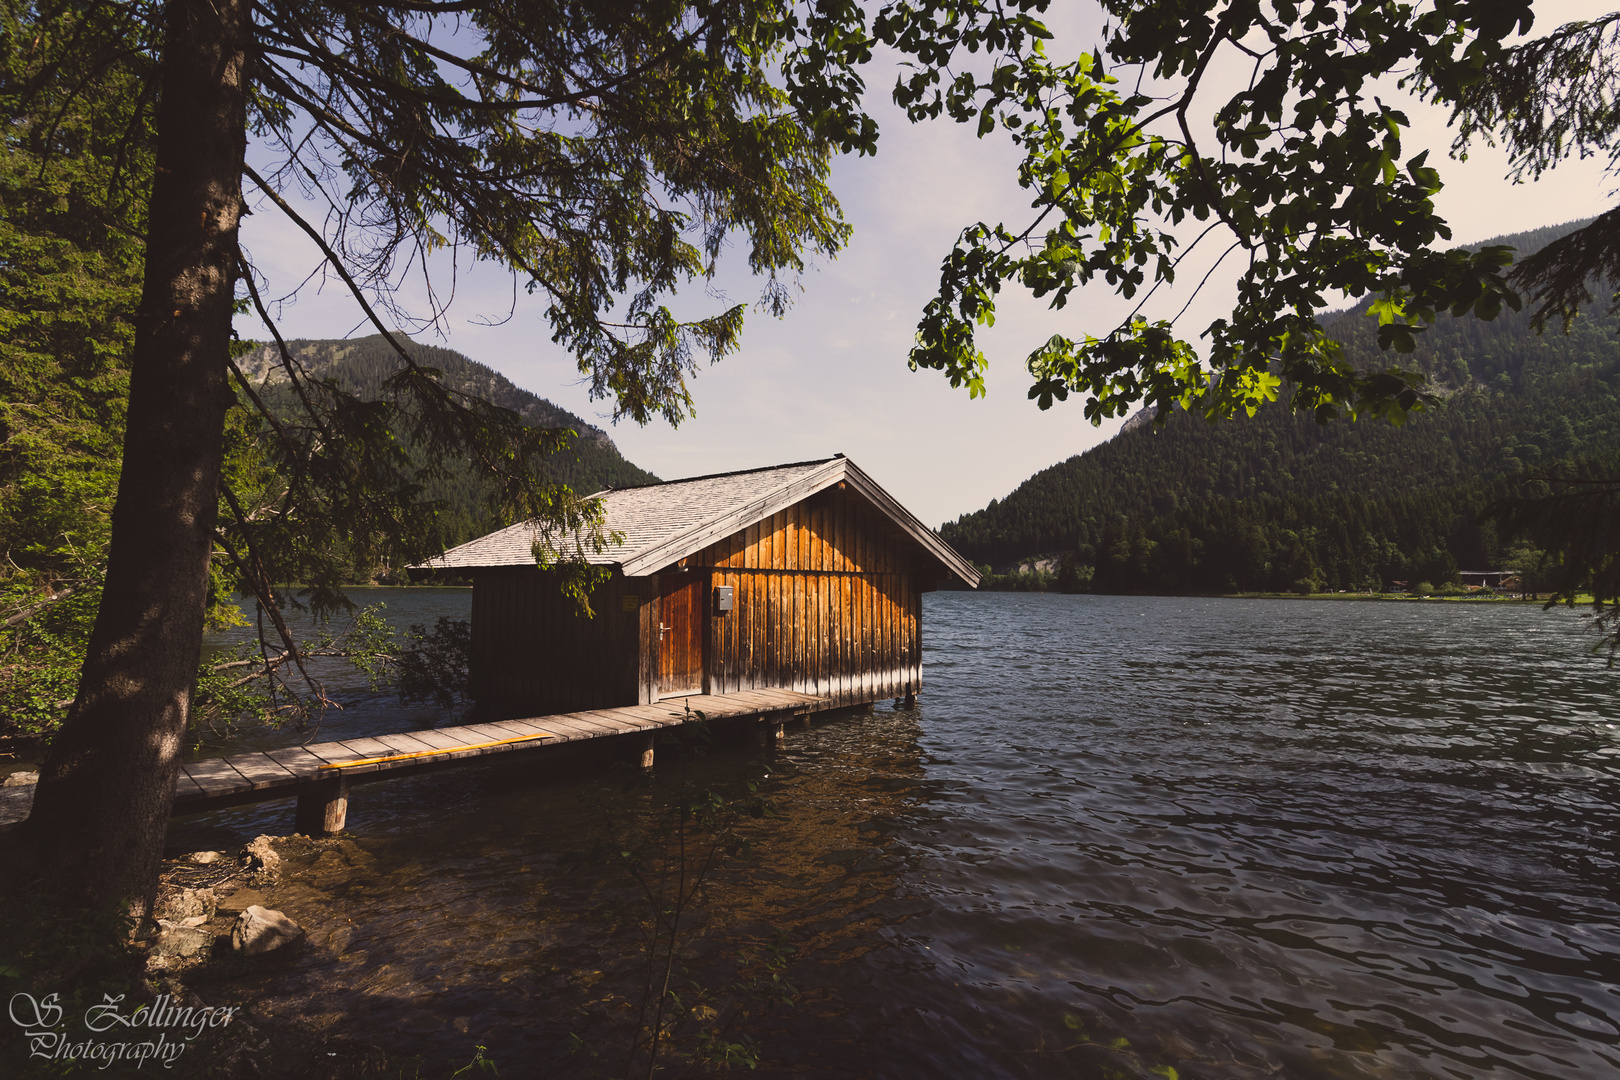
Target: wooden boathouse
805 577
751 596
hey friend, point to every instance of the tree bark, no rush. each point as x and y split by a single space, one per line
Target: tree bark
101 810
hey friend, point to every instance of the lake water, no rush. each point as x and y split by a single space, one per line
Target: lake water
1115 837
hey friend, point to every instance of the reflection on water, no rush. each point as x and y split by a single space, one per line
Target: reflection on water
1117 836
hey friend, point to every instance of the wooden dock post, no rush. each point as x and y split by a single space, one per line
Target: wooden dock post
769 735
647 752
323 805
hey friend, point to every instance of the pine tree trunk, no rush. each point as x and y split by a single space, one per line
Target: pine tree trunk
102 806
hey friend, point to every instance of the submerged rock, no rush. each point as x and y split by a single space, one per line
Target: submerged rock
176 939
259 930
240 900
340 939
261 856
177 905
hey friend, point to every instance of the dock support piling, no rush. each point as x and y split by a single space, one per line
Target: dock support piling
323 806
647 752
769 734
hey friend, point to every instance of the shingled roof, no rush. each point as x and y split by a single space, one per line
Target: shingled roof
664 523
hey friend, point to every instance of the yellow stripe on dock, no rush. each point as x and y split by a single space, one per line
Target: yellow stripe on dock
432 753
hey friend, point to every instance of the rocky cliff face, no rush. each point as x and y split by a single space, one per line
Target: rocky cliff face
1141 418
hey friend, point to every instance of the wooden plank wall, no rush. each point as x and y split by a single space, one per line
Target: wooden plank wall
828 601
533 654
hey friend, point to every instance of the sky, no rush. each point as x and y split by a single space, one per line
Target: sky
830 376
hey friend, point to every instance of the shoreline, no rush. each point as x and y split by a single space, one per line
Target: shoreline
1582 600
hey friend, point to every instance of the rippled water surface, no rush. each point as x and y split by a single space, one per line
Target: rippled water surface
1115 837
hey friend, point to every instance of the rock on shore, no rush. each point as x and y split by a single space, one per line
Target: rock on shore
259 930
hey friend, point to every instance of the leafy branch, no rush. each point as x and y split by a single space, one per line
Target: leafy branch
1307 176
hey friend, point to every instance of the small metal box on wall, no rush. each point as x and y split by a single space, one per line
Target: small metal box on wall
723 598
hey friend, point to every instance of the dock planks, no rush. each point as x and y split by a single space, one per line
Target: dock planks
281 773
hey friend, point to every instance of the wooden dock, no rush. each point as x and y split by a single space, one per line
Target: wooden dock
320 774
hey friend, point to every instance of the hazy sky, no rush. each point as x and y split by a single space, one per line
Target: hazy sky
831 375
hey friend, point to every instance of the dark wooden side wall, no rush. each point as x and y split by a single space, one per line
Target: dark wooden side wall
533 654
828 601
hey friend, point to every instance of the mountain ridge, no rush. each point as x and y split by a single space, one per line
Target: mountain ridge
1512 402
362 365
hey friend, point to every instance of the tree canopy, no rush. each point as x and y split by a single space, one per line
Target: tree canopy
71 224
1302 175
1544 100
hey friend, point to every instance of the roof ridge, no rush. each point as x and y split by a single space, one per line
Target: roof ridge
661 525
718 475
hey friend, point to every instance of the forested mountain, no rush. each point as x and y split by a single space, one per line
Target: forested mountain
1277 502
362 366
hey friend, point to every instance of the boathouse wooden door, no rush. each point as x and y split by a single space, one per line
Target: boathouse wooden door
680 633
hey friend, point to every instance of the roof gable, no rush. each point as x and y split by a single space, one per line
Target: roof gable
664 523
